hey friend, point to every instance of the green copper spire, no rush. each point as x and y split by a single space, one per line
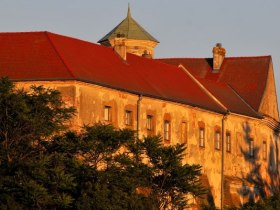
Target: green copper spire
128 12
129 29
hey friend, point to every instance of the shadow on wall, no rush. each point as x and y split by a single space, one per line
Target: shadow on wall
207 199
261 180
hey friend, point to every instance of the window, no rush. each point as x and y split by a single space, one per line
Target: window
238 143
107 113
217 140
201 137
228 142
251 147
184 133
149 122
128 118
166 130
264 150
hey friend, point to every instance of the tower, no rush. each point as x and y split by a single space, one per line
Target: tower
131 37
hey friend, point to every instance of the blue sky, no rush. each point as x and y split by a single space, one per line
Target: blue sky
185 28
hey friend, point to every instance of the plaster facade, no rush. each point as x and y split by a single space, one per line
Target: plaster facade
248 172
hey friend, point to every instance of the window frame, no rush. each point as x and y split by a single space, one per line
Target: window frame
149 123
167 130
228 142
217 139
201 138
107 113
128 117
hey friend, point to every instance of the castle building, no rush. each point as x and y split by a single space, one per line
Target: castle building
223 108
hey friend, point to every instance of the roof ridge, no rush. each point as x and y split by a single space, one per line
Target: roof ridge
242 57
182 58
266 84
153 60
146 33
22 32
245 102
78 39
232 57
59 55
56 34
205 90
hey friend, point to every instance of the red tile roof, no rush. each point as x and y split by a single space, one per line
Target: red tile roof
30 56
48 56
229 97
246 75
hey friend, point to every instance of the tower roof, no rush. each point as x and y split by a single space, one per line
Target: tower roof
129 29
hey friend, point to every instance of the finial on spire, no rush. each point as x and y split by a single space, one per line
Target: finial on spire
128 11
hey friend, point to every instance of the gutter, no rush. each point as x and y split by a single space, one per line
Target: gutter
223 159
138 114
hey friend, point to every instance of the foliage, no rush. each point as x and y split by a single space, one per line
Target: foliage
30 179
117 171
171 180
44 166
269 203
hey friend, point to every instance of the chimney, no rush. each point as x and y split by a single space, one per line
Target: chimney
147 55
120 47
218 56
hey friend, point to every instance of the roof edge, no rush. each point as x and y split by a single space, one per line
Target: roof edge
198 58
248 105
270 69
204 89
125 90
59 55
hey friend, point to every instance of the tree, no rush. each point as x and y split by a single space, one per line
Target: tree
122 172
43 165
171 180
27 119
268 203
